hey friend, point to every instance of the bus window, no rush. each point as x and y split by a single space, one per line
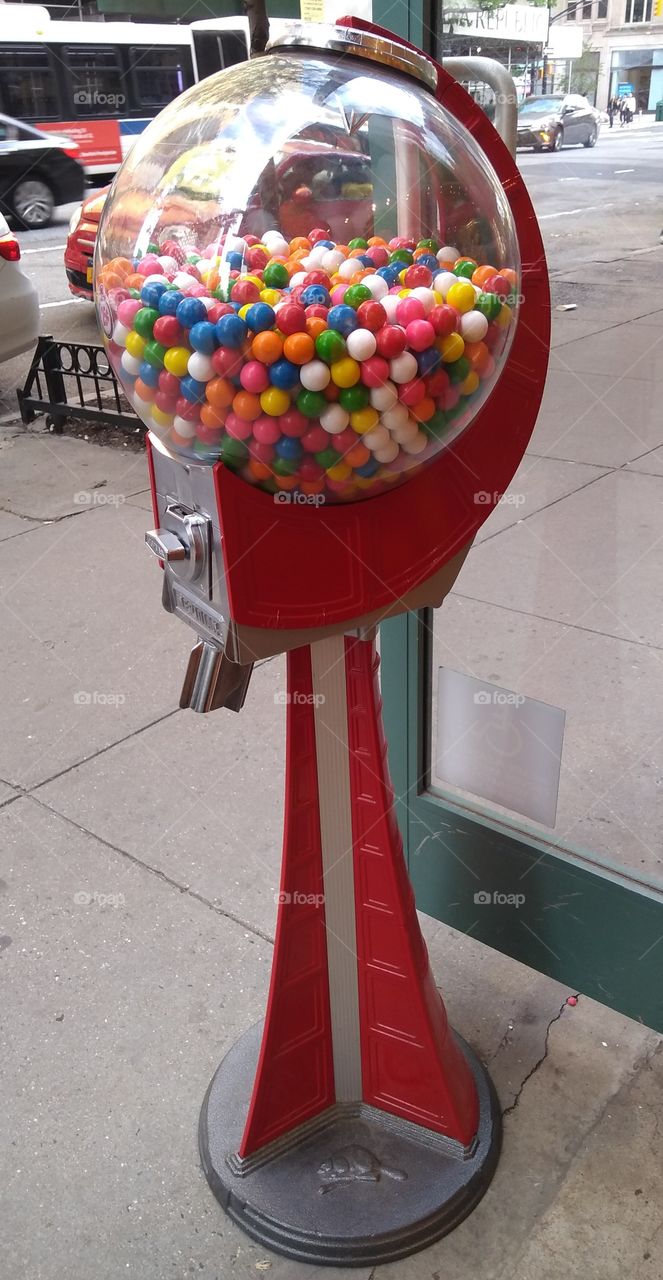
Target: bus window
159 74
27 85
218 49
97 84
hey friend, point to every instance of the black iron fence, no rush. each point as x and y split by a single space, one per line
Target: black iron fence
73 380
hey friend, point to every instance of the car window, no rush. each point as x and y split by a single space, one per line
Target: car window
531 105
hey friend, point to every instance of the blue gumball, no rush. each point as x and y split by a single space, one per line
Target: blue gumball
202 337
170 301
191 311
230 330
151 293
148 374
343 319
193 390
315 295
283 374
235 261
428 360
260 317
369 469
429 260
289 447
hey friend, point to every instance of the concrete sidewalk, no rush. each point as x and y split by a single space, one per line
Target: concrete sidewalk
139 859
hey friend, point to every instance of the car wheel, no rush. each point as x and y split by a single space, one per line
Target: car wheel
32 203
558 139
537 149
591 140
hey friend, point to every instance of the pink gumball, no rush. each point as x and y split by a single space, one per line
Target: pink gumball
338 293
254 377
412 392
420 334
128 310
266 429
261 452
374 371
238 428
149 265
408 310
378 255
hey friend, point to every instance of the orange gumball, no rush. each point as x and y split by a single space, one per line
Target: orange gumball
299 348
259 470
358 455
509 274
220 392
246 406
482 274
141 389
285 482
465 258
312 486
211 417
478 355
134 281
315 325
373 240
267 347
299 243
423 410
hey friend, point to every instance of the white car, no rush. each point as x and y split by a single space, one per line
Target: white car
19 302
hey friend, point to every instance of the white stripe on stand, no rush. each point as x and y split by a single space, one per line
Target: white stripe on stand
331 741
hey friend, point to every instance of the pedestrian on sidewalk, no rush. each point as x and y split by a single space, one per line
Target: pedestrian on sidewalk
613 110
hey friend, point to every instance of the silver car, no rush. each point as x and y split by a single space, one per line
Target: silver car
557 120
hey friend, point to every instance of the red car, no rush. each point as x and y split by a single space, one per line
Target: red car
79 249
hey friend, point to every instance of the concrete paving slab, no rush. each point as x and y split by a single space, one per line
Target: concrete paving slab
595 559
198 797
537 483
628 348
125 994
607 425
12 526
618 1165
89 654
7 792
650 463
45 476
609 689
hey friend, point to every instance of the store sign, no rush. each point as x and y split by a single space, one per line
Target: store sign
98 140
521 22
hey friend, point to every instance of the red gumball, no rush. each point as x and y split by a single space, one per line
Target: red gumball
291 319
190 269
378 255
331 392
168 331
251 240
227 361
492 336
317 311
311 470
245 291
219 309
209 435
257 259
345 440
165 402
293 423
171 249
318 233
316 439
169 384
437 383
450 398
371 315
187 409
499 285
261 452
316 277
391 341
444 320
417 276
374 371
412 392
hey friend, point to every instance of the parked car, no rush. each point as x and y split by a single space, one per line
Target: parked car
79 249
557 120
19 303
37 172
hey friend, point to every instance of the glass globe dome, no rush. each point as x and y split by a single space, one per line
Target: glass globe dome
307 269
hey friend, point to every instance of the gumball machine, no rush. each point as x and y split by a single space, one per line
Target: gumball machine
322 287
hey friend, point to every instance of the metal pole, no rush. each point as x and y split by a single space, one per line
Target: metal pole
506 99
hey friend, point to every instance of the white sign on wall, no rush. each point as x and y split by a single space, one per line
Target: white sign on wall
512 22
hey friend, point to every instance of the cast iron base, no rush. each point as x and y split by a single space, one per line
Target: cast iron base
355 1187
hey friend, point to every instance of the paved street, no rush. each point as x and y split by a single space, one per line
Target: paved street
139 845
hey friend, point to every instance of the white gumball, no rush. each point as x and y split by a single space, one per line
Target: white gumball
448 253
443 282
388 452
182 279
298 278
473 326
396 416
315 375
416 445
384 397
208 303
403 367
376 438
200 367
331 260
130 364
120 333
390 303
406 432
348 268
183 427
361 344
334 419
316 255
425 296
234 244
168 265
377 287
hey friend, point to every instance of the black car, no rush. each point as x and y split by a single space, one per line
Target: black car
37 172
557 120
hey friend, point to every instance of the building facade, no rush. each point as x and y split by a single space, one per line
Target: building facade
628 37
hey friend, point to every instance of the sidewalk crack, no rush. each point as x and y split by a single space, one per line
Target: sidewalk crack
546 1045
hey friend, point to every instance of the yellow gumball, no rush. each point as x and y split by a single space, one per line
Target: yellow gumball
451 348
504 318
469 384
462 296
364 419
176 361
270 296
340 471
163 419
243 310
135 345
274 402
345 372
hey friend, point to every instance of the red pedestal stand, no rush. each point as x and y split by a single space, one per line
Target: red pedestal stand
361 1092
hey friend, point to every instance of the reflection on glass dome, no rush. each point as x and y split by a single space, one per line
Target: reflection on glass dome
307 270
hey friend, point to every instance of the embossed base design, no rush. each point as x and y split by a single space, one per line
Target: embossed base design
356 1186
